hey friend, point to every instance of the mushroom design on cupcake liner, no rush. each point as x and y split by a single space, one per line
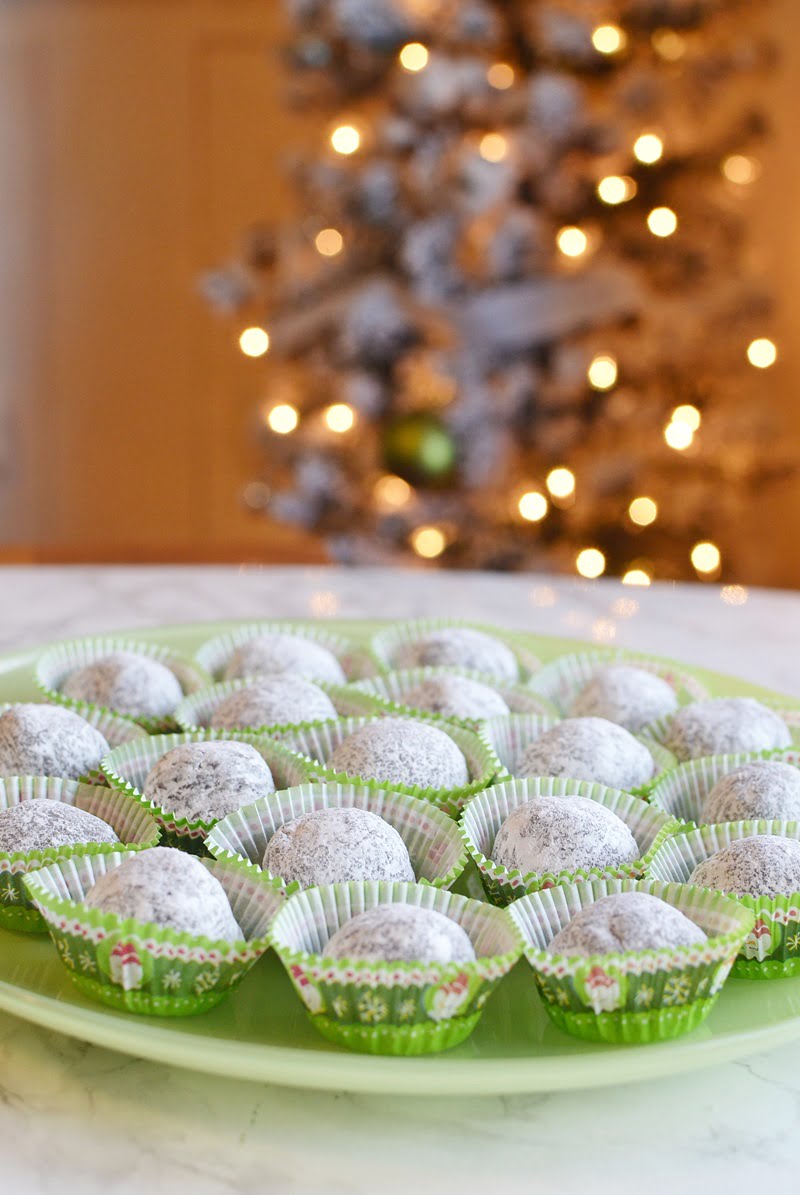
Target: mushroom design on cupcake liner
603 991
125 966
309 993
761 941
449 999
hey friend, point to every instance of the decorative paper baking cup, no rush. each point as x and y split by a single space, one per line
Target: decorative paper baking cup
631 996
387 645
128 767
317 743
391 1007
437 852
659 730
115 729
388 692
771 949
139 966
486 812
195 712
213 656
682 791
562 679
53 668
131 820
510 734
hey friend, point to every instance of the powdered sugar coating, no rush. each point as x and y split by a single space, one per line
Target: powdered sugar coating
42 823
455 696
208 780
330 846
629 696
48 740
626 921
277 653
170 889
127 683
724 725
764 788
763 865
273 701
399 751
401 933
588 749
460 647
553 834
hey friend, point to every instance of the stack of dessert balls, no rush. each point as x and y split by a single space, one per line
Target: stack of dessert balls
279 678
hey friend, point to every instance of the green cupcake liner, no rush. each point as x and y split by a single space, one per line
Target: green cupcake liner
196 712
387 646
631 996
391 1007
53 668
142 967
486 812
388 692
771 950
562 679
131 820
115 729
317 743
682 791
437 852
510 734
658 731
128 767
214 654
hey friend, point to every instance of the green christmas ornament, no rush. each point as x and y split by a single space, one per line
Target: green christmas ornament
420 449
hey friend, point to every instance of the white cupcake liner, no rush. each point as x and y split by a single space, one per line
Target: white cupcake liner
386 645
682 791
115 729
214 655
562 679
196 712
487 811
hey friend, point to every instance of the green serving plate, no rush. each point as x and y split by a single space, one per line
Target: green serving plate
262 1032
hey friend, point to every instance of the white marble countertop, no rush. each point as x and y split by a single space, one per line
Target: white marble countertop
76 1119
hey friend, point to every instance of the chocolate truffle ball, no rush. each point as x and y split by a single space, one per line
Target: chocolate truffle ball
764 865
273 701
208 780
626 921
455 696
553 834
42 823
48 740
629 696
277 653
461 647
588 749
723 725
401 933
127 683
399 751
170 889
330 846
765 788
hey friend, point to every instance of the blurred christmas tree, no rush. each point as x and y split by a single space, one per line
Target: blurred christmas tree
516 324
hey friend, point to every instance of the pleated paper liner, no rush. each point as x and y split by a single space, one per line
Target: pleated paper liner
115 729
631 996
659 730
510 734
53 668
128 767
214 655
437 852
682 791
485 813
563 679
131 820
139 966
771 949
390 691
389 646
196 712
392 1007
317 743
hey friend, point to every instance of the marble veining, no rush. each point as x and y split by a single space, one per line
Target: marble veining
79 1120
